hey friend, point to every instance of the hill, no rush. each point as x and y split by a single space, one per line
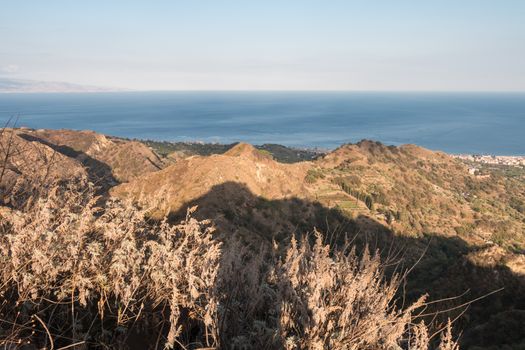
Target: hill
27 165
462 231
113 159
8 85
420 201
226 186
418 191
411 190
280 153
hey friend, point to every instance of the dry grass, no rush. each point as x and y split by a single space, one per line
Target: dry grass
89 273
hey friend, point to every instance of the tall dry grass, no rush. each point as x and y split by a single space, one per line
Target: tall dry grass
80 271
91 273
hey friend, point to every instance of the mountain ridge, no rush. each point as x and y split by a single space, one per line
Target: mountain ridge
465 229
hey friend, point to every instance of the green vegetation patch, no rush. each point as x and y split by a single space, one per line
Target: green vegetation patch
164 148
362 196
348 205
313 175
280 153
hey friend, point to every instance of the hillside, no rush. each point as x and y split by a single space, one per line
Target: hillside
416 199
194 176
466 230
27 165
417 191
227 187
125 159
33 158
411 190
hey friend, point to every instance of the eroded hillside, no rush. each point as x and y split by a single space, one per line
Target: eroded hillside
194 176
120 159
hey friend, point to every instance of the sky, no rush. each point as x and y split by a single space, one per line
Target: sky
383 45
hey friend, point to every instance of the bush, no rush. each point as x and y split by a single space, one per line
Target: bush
313 175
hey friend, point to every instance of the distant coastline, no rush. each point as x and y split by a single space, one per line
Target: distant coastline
24 86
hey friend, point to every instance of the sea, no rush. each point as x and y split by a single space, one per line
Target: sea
458 123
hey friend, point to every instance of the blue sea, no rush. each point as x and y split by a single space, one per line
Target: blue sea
485 123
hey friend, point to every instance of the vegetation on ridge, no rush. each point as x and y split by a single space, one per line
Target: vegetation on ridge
280 153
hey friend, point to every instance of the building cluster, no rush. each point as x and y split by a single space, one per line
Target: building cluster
490 159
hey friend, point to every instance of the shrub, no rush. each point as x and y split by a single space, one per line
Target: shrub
313 175
335 300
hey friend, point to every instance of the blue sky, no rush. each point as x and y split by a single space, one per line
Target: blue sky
267 45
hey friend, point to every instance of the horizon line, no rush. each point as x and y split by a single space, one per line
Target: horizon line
261 90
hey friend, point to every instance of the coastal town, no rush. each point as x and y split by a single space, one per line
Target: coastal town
518 161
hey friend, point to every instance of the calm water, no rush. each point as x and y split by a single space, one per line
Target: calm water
455 123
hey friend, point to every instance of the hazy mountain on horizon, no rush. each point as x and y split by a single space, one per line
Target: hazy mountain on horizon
9 85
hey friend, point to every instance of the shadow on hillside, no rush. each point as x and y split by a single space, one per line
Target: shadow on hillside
99 172
443 271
